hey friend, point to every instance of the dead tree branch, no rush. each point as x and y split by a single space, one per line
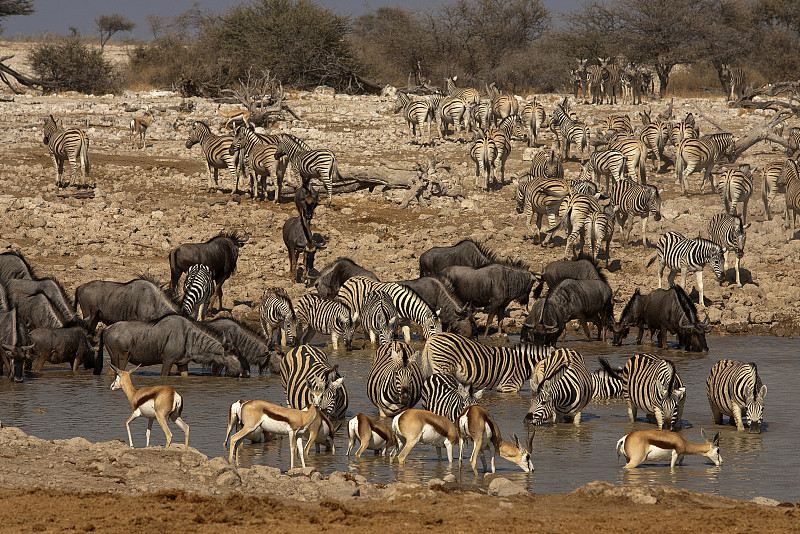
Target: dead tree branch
788 91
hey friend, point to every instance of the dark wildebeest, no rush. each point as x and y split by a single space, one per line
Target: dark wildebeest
335 274
138 300
571 299
170 340
668 311
49 287
13 339
36 311
493 286
580 268
438 293
294 237
13 265
306 201
252 348
219 253
466 252
62 345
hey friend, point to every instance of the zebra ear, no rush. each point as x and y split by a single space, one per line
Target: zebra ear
415 358
479 394
762 392
338 383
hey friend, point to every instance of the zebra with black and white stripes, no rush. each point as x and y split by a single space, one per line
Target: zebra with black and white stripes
605 386
258 154
394 382
326 316
635 153
568 131
379 317
651 384
417 112
483 152
736 185
687 256
198 288
792 194
618 123
546 164
793 150
540 196
612 80
276 311
735 389
504 369
594 75
480 116
452 110
70 144
561 388
654 135
533 118
608 163
728 231
573 213
579 79
735 78
630 199
446 395
305 366
678 131
467 94
506 129
773 181
309 163
703 153
599 228
216 151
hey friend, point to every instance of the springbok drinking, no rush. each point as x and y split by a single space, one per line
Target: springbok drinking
661 445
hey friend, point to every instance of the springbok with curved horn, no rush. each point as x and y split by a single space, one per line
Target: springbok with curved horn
153 402
476 424
662 445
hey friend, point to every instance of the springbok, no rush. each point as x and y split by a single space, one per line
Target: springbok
139 127
153 402
234 114
321 432
414 426
661 445
369 434
476 424
235 424
276 419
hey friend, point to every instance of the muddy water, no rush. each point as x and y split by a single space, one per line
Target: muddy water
57 404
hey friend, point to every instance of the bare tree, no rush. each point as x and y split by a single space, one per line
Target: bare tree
108 25
15 7
157 23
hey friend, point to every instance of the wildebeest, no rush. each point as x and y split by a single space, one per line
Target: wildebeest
494 286
14 265
170 340
580 268
13 339
571 299
438 293
62 345
333 275
306 201
466 252
219 253
666 310
294 237
252 348
36 311
49 287
137 300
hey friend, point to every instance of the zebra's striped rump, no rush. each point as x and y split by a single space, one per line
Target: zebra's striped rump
561 388
71 144
736 185
276 311
735 389
394 383
198 288
306 368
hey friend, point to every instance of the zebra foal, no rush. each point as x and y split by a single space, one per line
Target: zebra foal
735 186
198 288
728 232
70 144
735 389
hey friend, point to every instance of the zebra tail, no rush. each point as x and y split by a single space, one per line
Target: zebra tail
610 370
652 260
426 365
85 154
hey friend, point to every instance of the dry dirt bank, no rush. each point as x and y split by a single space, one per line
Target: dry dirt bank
77 486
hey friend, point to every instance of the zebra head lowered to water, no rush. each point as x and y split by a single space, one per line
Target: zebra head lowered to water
735 389
561 388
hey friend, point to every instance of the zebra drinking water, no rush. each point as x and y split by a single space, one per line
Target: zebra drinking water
307 365
198 288
276 311
561 388
394 382
379 317
735 389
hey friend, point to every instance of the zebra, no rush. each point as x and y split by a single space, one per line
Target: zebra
561 388
651 384
793 150
792 194
579 79
631 198
687 256
305 366
594 75
216 150
452 110
605 386
568 131
444 394
394 382
507 128
503 105
504 369
379 317
546 164
611 80
258 154
654 136
736 185
773 180
483 152
416 112
635 152
735 389
573 213
326 316
598 228
618 123
735 78
198 288
540 196
309 163
70 144
608 163
533 119
466 94
678 131
410 306
480 116
703 153
276 311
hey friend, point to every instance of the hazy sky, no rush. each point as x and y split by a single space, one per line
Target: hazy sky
56 16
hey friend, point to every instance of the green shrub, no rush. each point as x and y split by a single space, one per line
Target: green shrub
71 65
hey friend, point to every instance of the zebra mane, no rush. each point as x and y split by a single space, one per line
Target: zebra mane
236 236
19 255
